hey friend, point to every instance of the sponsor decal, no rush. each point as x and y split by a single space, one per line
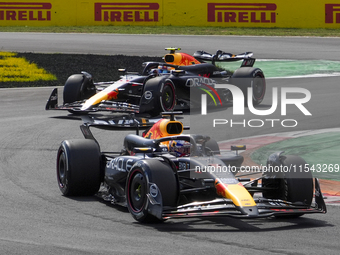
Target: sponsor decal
120 164
332 13
183 166
202 81
153 190
242 12
148 95
113 94
126 12
20 11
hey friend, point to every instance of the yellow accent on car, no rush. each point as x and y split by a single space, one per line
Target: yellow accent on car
164 128
236 192
96 99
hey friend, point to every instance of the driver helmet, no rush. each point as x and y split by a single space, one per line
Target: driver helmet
164 69
154 71
180 147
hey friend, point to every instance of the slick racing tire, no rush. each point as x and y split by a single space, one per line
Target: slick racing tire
159 95
246 77
78 167
291 181
78 87
138 181
167 98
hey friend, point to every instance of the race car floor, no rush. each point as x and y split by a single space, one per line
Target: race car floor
330 187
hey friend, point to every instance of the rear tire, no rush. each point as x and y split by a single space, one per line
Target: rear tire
258 87
78 167
246 77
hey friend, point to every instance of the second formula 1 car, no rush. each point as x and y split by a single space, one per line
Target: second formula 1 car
176 83
165 173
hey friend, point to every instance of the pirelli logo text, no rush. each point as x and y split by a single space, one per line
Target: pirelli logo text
126 12
332 12
18 11
242 12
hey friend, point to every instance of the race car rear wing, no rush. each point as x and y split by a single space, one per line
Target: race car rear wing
222 56
123 122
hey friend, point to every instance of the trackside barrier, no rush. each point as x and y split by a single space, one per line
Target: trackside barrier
231 13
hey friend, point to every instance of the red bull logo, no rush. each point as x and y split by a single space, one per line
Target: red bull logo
113 94
332 13
242 12
19 11
126 12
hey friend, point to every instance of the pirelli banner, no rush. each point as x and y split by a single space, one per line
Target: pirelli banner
231 13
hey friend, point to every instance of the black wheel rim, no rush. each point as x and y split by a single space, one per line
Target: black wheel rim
137 192
168 97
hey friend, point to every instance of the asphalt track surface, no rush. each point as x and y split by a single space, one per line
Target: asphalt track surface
36 219
302 48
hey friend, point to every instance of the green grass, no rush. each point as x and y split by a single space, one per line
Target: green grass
179 30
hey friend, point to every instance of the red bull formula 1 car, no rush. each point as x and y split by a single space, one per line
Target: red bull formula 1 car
177 83
165 173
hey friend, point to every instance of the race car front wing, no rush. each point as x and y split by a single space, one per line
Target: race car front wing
264 208
75 107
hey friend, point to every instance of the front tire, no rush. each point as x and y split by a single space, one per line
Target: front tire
294 186
167 98
78 167
78 87
212 147
137 188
